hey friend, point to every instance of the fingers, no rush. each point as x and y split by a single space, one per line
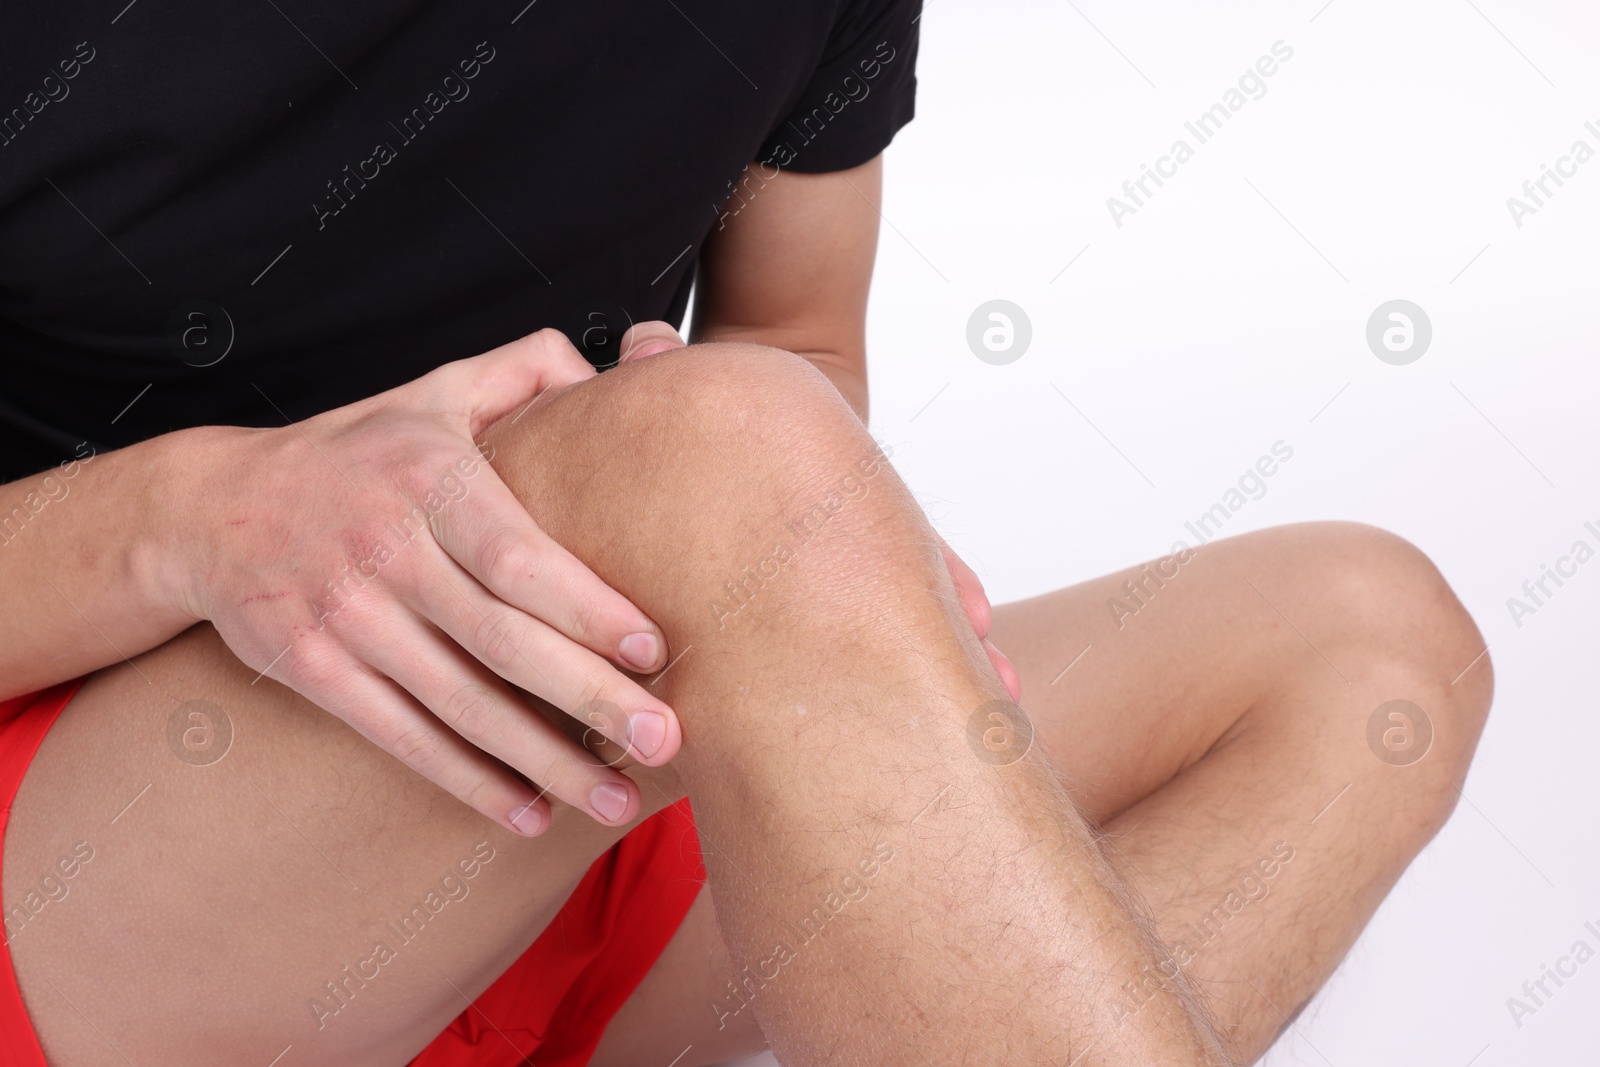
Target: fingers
976 604
505 379
482 710
390 718
649 339
499 544
1004 668
970 590
528 653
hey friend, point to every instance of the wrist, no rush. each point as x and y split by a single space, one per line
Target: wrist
191 475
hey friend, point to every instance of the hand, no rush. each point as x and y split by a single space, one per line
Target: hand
976 603
370 558
650 338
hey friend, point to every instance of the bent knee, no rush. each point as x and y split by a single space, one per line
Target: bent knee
1379 585
729 408
1384 605
721 474
769 403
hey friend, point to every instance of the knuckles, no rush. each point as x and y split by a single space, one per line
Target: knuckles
470 710
588 618
499 637
556 345
314 667
506 559
417 748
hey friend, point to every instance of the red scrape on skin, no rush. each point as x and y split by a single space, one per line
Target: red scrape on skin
262 596
237 522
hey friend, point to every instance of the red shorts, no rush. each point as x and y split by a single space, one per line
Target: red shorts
556 999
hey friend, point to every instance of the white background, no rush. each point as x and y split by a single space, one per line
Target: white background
1207 328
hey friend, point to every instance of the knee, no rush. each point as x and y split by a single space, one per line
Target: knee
742 405
1400 621
706 473
1387 588
722 378
759 409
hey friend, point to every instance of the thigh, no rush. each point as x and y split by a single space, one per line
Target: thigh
305 889
1133 677
1121 708
674 1010
234 904
1225 715
1168 694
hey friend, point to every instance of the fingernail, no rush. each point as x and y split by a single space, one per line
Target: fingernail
640 651
528 820
1005 669
652 349
647 731
610 800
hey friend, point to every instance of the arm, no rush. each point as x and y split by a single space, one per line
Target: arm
790 267
370 558
86 581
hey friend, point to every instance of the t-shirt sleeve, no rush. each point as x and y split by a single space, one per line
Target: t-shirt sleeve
862 91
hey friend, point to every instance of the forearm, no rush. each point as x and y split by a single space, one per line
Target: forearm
83 564
846 370
850 378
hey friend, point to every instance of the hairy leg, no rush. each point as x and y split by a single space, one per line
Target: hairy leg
890 891
1220 741
1220 731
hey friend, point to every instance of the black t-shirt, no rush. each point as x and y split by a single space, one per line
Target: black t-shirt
245 213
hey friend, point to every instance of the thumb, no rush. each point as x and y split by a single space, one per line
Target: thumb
970 589
648 339
503 380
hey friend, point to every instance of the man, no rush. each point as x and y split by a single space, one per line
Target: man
697 567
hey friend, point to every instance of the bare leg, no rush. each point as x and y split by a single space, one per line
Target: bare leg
892 892
1225 759
221 900
1222 737
680 1009
968 913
